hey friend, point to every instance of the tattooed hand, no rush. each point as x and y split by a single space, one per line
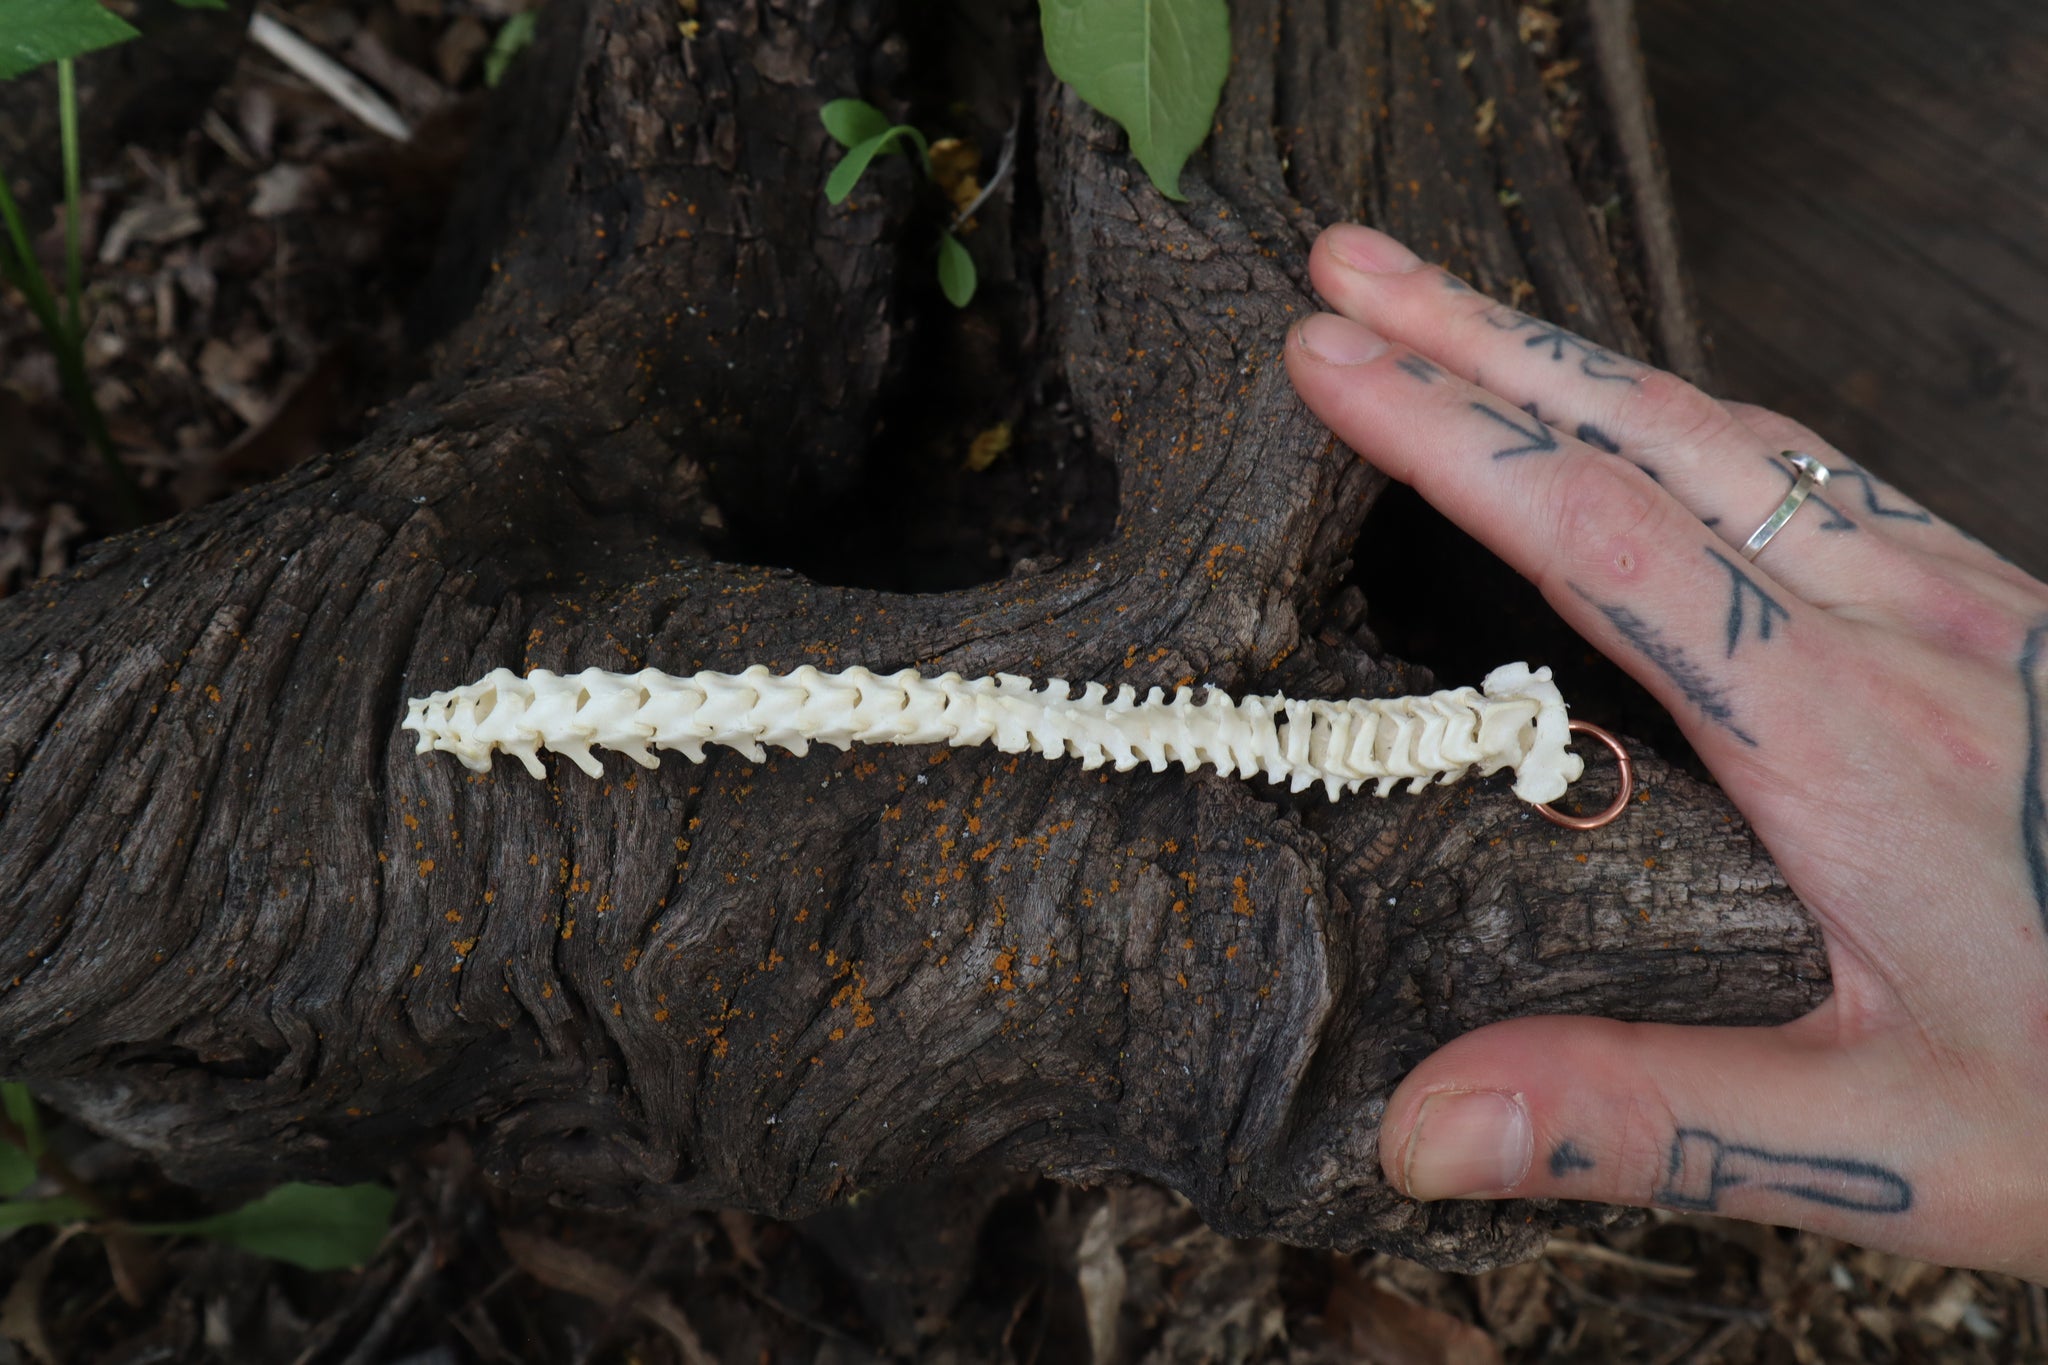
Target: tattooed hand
1872 691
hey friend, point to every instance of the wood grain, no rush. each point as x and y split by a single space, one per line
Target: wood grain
1863 192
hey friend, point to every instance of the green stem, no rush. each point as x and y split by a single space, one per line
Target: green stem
67 339
28 275
74 266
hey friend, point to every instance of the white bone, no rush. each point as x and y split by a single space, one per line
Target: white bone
1517 721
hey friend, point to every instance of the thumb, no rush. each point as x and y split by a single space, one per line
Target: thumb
1777 1125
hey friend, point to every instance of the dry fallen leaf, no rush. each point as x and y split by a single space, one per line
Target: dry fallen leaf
456 50
229 371
1533 24
285 188
955 163
1099 1270
1515 1301
988 447
156 223
740 1232
21 1312
1389 1328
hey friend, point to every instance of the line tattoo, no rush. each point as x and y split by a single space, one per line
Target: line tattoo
2034 797
1566 1159
1537 439
1595 361
1837 520
1742 587
1455 285
1600 440
1673 662
1423 368
1872 505
1701 1166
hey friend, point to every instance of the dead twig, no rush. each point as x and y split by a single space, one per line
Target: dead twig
332 79
1671 1312
577 1272
1619 56
370 1346
1566 1249
781 1309
1707 1347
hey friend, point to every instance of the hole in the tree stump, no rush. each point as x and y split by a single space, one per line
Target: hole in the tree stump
975 461
1437 597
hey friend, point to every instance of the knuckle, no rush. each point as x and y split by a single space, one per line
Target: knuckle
1663 411
1607 518
1961 612
1779 430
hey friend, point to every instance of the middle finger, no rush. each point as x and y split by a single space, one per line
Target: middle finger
1700 451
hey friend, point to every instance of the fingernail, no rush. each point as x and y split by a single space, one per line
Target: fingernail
1468 1142
1362 248
1340 341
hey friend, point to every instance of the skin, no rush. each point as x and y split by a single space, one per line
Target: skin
1872 692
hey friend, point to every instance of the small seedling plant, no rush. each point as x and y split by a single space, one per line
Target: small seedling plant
1154 66
319 1227
34 33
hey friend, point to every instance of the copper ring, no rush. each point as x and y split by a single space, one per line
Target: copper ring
1620 802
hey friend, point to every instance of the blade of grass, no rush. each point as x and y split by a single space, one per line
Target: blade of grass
67 337
27 274
74 267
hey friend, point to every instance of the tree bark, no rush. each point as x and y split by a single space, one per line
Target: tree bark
245 927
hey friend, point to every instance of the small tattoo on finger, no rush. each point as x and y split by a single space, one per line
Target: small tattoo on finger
1701 1166
1875 505
1670 659
1743 589
1566 1159
1421 367
1595 360
1600 440
1537 438
1837 519
2034 783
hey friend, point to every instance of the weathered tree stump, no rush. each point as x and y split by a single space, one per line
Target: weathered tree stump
246 928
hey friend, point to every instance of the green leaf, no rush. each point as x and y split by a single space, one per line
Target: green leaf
17 1170
203 4
1155 66
852 122
37 31
514 38
26 1213
956 271
18 1167
319 1227
851 166
22 1112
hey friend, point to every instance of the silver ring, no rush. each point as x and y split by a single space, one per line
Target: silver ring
1812 474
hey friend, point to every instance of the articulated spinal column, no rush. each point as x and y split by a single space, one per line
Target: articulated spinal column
1517 722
